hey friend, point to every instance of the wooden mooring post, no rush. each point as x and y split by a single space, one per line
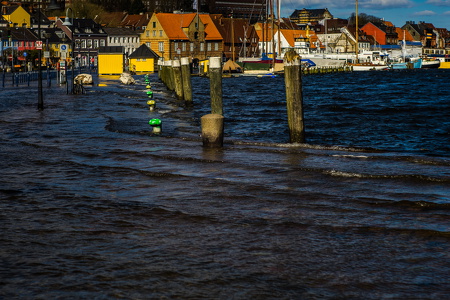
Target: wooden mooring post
170 78
294 96
177 79
186 78
215 85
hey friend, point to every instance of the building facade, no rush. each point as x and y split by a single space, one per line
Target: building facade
179 35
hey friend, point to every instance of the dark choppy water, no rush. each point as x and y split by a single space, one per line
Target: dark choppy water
93 206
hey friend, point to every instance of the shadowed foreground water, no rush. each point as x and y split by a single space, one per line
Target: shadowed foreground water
94 206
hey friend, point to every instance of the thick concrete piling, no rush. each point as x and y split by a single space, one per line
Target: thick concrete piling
215 84
294 96
186 78
212 130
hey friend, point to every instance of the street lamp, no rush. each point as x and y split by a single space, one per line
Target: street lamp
71 25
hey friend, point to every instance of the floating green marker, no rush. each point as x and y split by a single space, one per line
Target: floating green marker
156 125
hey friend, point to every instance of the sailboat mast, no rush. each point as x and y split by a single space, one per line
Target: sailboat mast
232 37
357 33
279 29
272 32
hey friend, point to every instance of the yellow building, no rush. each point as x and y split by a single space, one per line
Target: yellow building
143 60
16 16
110 60
183 35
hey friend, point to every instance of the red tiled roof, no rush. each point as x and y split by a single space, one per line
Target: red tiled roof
173 25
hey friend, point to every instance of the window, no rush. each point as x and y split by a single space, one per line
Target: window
83 43
160 33
154 24
216 46
191 48
147 33
95 43
202 46
175 46
183 47
161 46
154 32
102 43
147 44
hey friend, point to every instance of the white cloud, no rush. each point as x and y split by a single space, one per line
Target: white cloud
386 4
371 4
446 13
439 2
424 13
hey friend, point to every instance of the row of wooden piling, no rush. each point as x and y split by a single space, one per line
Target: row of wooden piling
175 74
326 70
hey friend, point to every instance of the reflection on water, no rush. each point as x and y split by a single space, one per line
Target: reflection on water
93 205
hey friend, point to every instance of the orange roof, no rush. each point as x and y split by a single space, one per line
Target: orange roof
289 35
212 33
173 25
388 23
408 36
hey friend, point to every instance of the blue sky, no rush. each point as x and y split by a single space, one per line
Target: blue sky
396 11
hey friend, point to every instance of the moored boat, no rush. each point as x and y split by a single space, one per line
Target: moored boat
410 64
367 67
430 63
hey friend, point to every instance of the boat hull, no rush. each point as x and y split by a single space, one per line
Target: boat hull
368 67
444 65
434 64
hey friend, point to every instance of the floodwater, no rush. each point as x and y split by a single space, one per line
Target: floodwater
93 205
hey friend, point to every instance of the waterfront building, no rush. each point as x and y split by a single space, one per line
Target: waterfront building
384 32
310 16
176 35
86 36
239 37
125 37
16 16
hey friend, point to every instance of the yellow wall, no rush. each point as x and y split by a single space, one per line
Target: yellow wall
19 16
110 63
142 66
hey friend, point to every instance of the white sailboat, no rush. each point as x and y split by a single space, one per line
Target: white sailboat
365 66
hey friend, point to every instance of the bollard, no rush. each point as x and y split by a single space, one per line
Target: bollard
156 125
177 80
212 130
151 104
294 97
150 94
215 84
186 78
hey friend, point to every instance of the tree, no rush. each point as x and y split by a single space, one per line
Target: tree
363 19
137 7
